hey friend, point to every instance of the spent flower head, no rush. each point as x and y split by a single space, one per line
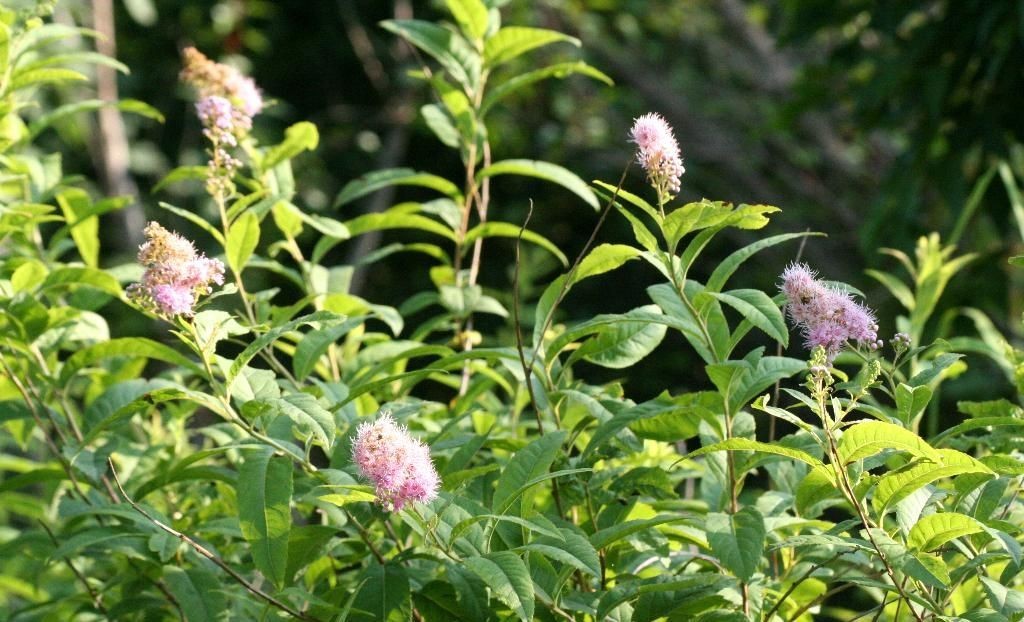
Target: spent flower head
658 153
398 465
213 78
176 275
827 316
227 103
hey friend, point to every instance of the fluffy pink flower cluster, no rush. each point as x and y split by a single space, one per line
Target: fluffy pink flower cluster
398 465
176 275
658 153
829 317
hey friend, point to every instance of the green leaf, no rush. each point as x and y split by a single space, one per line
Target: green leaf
182 173
264 510
316 342
117 402
911 402
36 77
472 16
940 363
385 594
271 336
243 236
128 105
663 405
134 347
371 182
934 530
755 306
300 137
546 171
517 82
78 276
492 229
692 217
513 41
642 234
603 258
781 413
895 486
89 537
737 540
354 493
743 444
625 343
306 543
730 264
466 524
447 47
571 549
74 203
630 198
195 219
198 592
750 216
610 535
975 424
867 438
696 587
508 578
1007 600
896 287
76 57
302 408
397 218
818 485
441 124
528 463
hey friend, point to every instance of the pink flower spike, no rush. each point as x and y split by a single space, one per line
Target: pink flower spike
827 316
658 153
176 275
398 466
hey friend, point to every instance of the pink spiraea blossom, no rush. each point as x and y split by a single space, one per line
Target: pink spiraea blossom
176 275
398 465
658 153
826 315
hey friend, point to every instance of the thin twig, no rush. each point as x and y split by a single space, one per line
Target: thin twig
576 264
803 577
516 321
527 375
97 600
199 548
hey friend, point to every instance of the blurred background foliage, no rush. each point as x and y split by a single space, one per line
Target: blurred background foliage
874 122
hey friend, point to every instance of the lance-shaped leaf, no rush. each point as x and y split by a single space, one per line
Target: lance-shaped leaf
546 171
863 440
743 444
934 530
895 486
737 540
509 579
264 510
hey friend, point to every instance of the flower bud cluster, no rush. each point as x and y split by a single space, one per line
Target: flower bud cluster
900 342
827 316
176 275
658 153
398 465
